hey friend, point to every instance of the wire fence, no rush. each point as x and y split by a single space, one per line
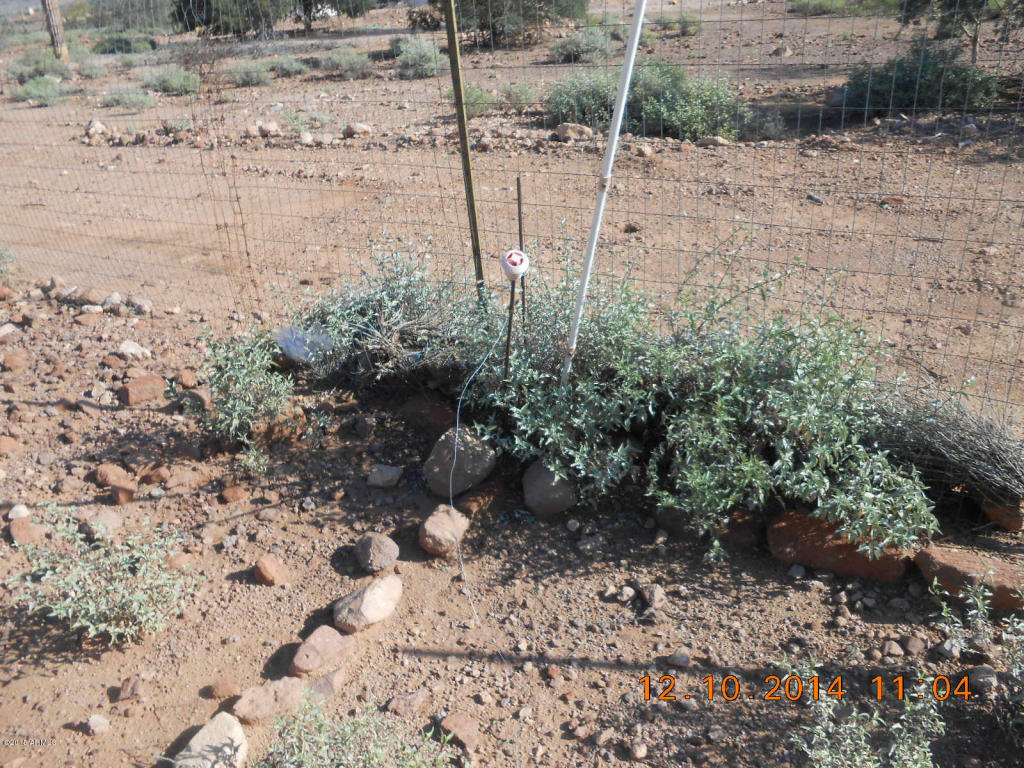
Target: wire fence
878 166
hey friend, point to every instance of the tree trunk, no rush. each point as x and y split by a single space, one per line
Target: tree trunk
55 25
308 7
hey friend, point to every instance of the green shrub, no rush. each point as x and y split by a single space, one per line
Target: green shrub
44 91
927 79
367 740
288 66
245 74
131 98
91 69
124 43
662 102
519 97
478 101
77 15
418 57
591 45
120 589
504 21
126 61
349 64
303 121
230 17
172 79
129 15
37 63
683 25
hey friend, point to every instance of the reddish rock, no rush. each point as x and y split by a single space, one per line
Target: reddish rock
9 446
797 537
102 525
23 531
185 478
368 605
197 399
277 697
87 319
464 729
481 499
326 646
156 475
329 685
112 361
109 474
225 686
410 704
232 493
441 533
957 568
142 389
1009 514
270 571
15 360
426 412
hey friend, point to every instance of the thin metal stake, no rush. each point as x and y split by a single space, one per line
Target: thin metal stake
522 244
511 314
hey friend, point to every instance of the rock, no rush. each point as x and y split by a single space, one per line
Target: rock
8 332
782 50
276 697
375 552
713 141
270 571
197 400
473 460
383 476
130 350
325 646
545 494
655 596
130 688
356 129
108 475
156 475
797 537
644 151
97 724
410 704
103 524
638 750
232 494
18 511
364 607
186 378
112 300
464 729
573 132
225 687
328 685
428 413
221 743
1009 514
142 389
983 680
15 360
24 532
957 568
141 304
441 533
914 646
305 138
95 128
948 649
9 446
680 659
891 648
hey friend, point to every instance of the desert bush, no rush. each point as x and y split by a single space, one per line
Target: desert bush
348 64
44 91
230 17
124 43
504 21
128 15
519 97
245 74
929 78
172 79
288 66
478 101
418 57
119 589
91 69
591 45
131 98
367 740
6 259
682 25
663 101
38 63
77 15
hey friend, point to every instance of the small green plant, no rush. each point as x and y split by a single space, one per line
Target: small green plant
519 97
591 45
478 101
367 740
246 74
126 61
173 80
288 66
43 91
303 121
929 78
124 43
348 64
418 57
130 97
682 25
38 63
91 69
119 589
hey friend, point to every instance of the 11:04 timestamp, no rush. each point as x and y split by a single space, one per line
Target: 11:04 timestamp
793 688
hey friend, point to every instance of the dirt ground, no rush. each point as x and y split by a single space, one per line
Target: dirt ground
914 229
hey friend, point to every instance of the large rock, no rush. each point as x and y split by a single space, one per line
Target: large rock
270 571
324 647
573 132
474 460
374 602
547 495
221 743
375 552
957 568
277 697
441 533
797 537
142 389
384 476
464 729
1007 514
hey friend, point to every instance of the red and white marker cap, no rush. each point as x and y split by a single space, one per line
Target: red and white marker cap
515 263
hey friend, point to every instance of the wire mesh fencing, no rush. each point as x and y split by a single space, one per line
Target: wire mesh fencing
230 156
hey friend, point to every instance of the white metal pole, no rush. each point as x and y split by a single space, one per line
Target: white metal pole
604 182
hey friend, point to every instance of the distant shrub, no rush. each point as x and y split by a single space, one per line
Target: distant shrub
91 69
663 101
418 57
928 79
348 64
77 15
478 101
230 17
683 24
44 91
519 97
288 66
131 98
591 45
172 79
503 21
245 74
128 15
124 43
37 63
6 259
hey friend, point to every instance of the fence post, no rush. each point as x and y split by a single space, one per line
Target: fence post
455 60
55 26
